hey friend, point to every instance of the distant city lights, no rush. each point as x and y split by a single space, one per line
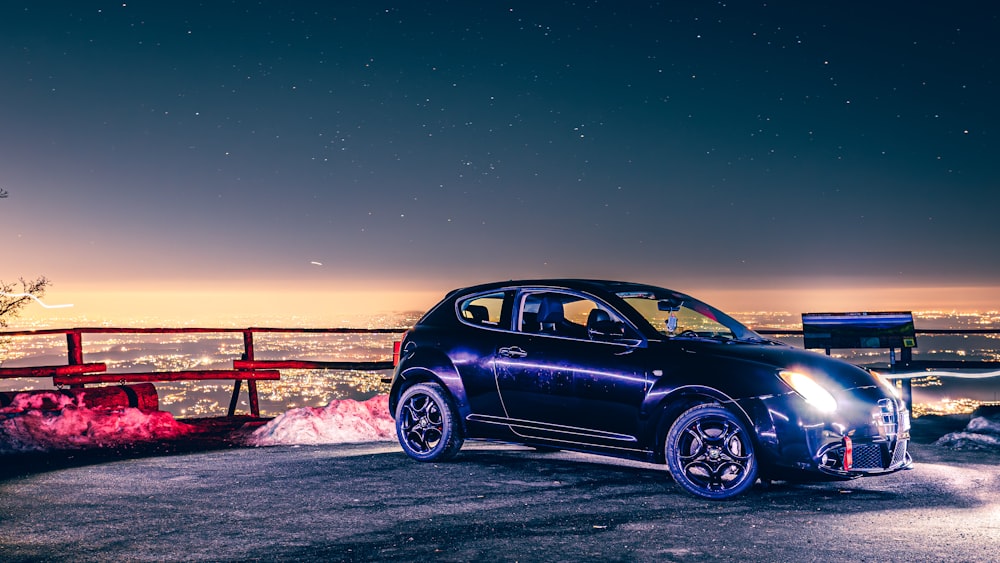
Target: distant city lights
934 393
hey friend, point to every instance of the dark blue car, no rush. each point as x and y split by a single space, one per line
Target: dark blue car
640 372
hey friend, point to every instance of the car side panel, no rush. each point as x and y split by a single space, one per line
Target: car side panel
426 364
464 369
572 390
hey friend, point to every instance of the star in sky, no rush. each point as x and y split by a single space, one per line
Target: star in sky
691 144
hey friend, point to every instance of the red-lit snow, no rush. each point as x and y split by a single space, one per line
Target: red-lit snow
46 421
341 421
50 421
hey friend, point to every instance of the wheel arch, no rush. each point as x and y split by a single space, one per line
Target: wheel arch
430 367
671 406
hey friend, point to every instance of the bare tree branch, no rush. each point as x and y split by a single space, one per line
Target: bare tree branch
11 306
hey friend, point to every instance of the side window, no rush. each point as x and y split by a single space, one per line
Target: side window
482 310
560 314
577 312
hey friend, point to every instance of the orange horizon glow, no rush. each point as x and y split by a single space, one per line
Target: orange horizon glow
290 304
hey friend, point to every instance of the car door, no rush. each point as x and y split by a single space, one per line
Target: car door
557 383
484 319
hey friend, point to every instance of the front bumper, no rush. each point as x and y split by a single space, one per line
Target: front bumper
871 437
880 448
849 459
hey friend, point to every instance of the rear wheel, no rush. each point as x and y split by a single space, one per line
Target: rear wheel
710 453
426 424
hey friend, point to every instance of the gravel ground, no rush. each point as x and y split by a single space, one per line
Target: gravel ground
492 503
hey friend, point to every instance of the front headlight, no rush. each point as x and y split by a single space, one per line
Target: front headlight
886 384
812 392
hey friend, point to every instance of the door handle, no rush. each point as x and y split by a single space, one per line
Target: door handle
512 352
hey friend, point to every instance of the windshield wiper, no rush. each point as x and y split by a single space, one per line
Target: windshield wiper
756 339
719 337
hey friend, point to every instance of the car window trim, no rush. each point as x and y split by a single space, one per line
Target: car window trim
518 310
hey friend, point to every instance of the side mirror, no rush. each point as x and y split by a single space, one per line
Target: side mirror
606 330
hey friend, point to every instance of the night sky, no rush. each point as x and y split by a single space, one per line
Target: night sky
428 145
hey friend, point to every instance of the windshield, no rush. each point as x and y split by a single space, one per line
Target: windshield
676 315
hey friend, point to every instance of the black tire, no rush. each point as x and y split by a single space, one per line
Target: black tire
426 424
710 453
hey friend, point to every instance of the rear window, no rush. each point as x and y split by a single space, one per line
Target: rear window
482 310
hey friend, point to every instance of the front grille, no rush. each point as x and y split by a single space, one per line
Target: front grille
868 456
885 418
899 454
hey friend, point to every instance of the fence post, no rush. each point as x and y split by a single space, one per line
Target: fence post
906 356
251 384
235 398
74 351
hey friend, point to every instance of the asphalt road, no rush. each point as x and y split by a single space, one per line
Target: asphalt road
492 503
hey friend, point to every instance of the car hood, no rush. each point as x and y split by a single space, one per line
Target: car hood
776 356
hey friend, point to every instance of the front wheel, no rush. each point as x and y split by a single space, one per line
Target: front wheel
710 453
426 424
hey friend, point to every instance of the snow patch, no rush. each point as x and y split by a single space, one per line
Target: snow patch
51 401
41 422
340 422
983 425
981 433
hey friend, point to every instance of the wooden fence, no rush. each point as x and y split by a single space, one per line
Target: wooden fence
75 373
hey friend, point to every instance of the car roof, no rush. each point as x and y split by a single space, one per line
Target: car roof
600 286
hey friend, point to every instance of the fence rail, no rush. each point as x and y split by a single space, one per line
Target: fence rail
907 362
927 331
75 373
